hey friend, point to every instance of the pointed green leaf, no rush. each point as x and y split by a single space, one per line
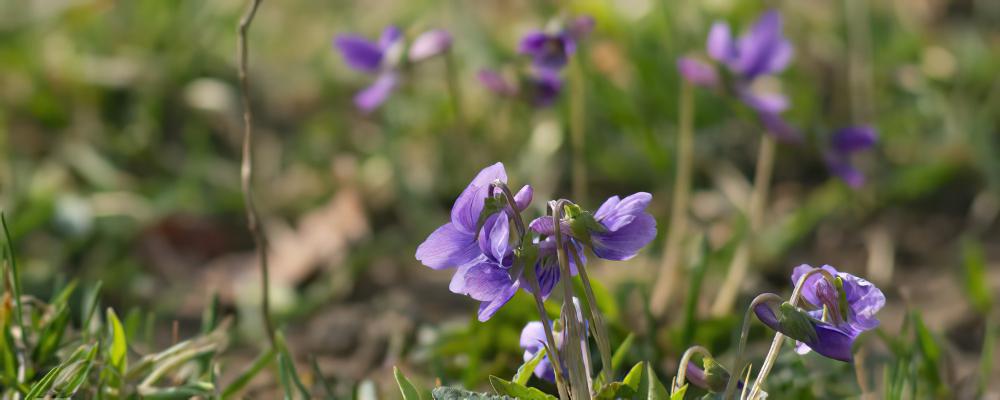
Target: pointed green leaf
679 394
526 369
619 357
656 389
407 388
117 355
517 391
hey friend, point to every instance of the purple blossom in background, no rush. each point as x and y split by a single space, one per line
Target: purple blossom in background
373 58
761 51
843 144
542 86
848 314
383 58
627 227
548 50
430 44
482 264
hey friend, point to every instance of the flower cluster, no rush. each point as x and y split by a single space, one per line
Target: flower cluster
385 60
489 254
760 52
550 52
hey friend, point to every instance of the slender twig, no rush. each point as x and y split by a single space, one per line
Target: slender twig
755 213
254 225
600 327
772 353
672 254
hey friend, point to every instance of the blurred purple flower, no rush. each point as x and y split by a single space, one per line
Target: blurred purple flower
843 144
551 51
430 44
847 313
763 50
374 58
543 86
482 264
625 227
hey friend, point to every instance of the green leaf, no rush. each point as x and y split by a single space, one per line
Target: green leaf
289 376
679 394
449 393
119 346
51 336
262 361
656 389
517 390
613 391
73 378
43 385
619 357
976 283
634 377
526 369
407 388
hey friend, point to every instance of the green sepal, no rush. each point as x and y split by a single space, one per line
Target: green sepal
716 376
842 301
796 324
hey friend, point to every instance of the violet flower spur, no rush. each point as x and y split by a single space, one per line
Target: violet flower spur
844 143
842 313
617 231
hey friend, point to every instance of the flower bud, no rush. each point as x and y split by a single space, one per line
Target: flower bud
430 44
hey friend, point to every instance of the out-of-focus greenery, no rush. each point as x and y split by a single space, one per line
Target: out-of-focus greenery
120 126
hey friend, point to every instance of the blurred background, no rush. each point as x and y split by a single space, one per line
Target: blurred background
121 126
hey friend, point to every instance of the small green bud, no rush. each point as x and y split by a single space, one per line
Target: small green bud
796 324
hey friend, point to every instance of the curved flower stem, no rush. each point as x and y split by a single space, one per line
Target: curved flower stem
600 327
553 347
254 225
779 338
578 378
672 254
682 367
741 347
755 213
518 219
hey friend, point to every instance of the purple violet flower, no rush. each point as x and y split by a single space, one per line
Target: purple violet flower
482 264
373 58
843 144
847 313
547 266
762 51
548 50
532 341
625 227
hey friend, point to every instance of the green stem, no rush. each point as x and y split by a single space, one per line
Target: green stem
577 131
755 212
600 327
579 381
741 347
672 254
454 91
553 347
